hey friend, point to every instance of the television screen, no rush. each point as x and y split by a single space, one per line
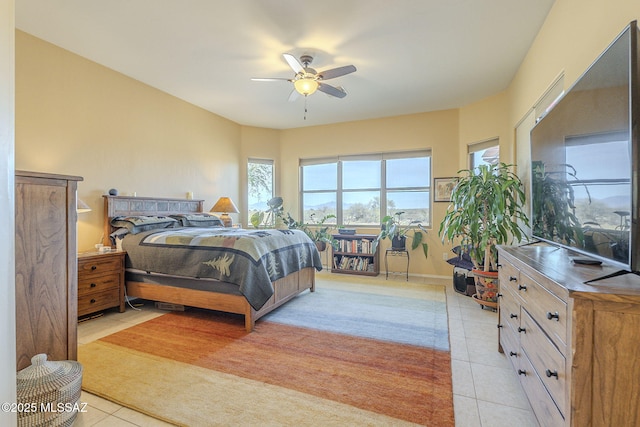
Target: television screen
582 191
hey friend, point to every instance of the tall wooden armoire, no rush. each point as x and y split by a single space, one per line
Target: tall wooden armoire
46 266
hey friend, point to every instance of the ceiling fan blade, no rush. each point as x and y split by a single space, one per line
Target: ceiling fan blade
336 72
268 79
330 90
293 63
294 95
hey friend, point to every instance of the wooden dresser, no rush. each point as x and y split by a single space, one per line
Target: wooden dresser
100 281
574 344
46 269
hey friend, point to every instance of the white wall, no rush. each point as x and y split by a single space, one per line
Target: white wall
7 236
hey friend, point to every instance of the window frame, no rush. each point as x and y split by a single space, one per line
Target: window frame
266 161
340 191
476 147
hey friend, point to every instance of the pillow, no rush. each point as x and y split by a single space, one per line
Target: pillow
198 220
137 224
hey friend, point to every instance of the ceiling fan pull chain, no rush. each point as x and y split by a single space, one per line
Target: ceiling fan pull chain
305 107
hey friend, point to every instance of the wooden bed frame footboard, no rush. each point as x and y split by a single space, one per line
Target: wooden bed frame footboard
284 289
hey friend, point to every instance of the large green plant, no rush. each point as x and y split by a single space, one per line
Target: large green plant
486 210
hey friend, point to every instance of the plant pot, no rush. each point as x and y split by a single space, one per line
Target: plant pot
399 243
322 246
486 286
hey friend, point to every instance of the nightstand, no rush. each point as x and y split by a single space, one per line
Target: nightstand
100 281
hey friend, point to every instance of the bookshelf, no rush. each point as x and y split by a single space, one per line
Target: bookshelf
352 255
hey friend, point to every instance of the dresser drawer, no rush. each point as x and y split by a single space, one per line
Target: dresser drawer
541 402
98 265
99 301
546 308
509 275
511 346
509 309
548 362
93 284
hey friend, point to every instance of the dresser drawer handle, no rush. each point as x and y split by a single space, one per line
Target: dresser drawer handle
93 285
513 279
551 373
522 372
555 315
93 267
513 354
522 330
513 316
522 288
93 301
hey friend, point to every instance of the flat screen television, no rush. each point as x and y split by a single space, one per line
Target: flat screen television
584 153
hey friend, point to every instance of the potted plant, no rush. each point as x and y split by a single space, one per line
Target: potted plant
317 230
393 229
486 210
269 216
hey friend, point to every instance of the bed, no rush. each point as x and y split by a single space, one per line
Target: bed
267 277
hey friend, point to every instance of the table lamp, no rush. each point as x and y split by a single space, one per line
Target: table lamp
225 206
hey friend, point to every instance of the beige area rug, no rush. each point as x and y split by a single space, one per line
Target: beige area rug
200 368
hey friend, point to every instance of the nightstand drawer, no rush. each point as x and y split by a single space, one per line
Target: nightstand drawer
99 301
90 285
100 281
98 265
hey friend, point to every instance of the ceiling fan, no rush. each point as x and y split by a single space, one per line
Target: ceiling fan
307 80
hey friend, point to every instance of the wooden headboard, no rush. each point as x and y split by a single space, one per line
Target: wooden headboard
128 205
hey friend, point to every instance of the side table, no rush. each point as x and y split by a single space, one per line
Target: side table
396 252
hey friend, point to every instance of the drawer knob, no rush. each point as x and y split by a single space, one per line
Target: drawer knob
555 315
522 330
513 316
513 353
93 267
522 372
93 301
522 288
551 373
93 285
513 279
499 325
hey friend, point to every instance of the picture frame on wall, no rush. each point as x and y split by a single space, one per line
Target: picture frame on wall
442 188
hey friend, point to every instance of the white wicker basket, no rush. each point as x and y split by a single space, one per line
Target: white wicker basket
49 392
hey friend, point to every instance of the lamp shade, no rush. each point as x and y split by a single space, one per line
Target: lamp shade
305 86
226 206
82 207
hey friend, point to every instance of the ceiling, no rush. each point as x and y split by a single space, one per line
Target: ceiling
411 56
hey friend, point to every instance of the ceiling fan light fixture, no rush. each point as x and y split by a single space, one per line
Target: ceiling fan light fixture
306 86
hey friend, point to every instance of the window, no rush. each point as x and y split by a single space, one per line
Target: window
260 180
484 153
361 190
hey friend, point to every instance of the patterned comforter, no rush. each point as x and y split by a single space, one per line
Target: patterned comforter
252 259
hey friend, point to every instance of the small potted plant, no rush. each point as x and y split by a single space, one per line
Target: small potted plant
486 210
394 230
317 230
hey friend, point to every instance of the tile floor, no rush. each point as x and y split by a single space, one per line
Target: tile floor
486 392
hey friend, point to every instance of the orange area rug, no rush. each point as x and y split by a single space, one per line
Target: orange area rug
305 376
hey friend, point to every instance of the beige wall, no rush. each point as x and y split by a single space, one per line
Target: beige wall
7 234
76 117
436 130
574 34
